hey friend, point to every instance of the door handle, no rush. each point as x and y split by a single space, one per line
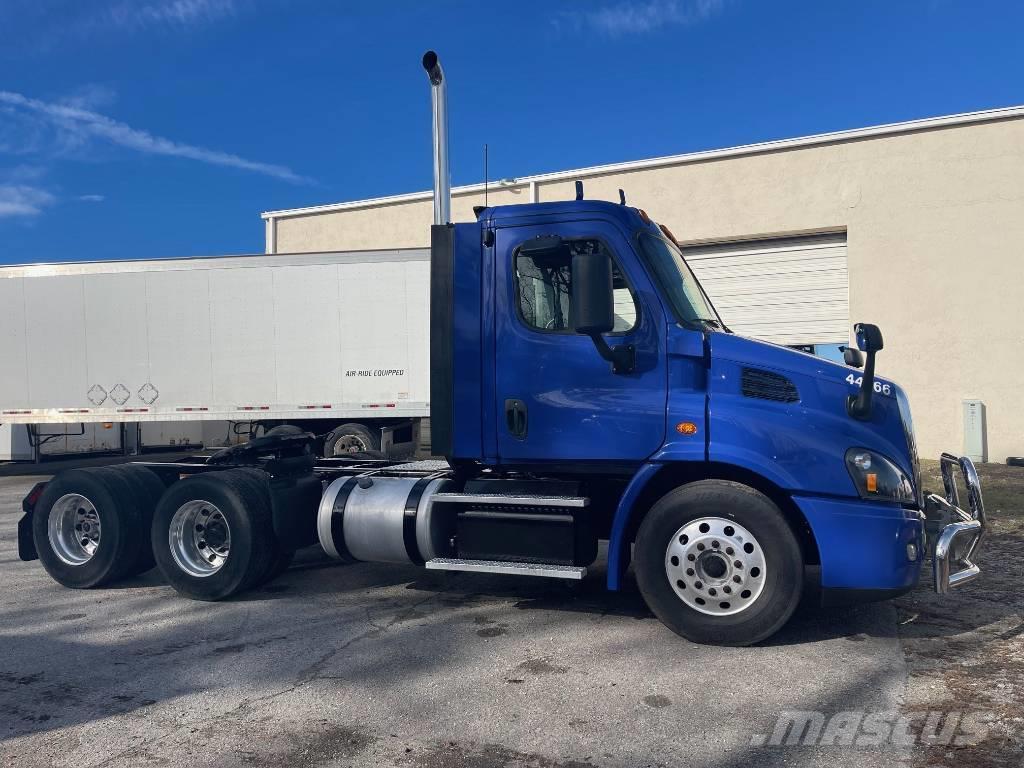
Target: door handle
515 417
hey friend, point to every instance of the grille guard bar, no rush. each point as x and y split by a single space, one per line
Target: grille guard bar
959 538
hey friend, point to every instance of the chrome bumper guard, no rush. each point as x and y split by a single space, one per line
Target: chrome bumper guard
959 533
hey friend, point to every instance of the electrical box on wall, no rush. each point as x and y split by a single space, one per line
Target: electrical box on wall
975 431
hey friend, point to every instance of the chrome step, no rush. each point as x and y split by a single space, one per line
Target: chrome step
511 499
515 569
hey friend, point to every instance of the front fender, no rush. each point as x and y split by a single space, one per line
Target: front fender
618 545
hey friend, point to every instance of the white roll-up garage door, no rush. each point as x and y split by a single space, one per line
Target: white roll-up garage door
789 291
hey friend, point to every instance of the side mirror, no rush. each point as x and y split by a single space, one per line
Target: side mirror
869 339
852 357
593 307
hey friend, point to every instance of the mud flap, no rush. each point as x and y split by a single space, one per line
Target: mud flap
27 544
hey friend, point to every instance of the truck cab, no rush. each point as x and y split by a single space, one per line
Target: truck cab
571 340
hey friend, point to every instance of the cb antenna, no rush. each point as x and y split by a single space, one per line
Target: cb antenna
485 175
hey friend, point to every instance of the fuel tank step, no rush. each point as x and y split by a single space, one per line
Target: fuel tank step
510 499
516 569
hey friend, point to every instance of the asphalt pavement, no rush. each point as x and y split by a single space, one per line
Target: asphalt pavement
364 665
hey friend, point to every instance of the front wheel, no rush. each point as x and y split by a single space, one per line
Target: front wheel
717 562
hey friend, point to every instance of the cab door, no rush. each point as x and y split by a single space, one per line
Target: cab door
557 400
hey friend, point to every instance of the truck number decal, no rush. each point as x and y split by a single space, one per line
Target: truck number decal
880 387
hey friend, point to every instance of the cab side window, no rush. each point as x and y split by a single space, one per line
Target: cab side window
544 289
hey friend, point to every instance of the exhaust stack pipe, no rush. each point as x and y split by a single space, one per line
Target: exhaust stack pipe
439 100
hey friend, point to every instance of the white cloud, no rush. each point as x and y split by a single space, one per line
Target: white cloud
77 126
23 200
92 198
173 12
90 96
634 18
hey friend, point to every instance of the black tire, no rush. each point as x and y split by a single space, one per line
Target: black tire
360 438
120 542
782 580
147 489
281 558
248 515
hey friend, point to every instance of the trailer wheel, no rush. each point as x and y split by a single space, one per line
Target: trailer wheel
213 535
717 562
147 489
350 438
87 529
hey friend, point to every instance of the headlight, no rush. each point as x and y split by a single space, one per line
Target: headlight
878 478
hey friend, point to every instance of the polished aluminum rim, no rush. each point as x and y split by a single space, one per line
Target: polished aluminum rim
715 566
200 538
349 444
74 529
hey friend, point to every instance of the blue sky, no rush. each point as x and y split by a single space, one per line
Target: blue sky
140 128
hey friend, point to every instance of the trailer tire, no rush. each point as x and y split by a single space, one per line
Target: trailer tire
102 502
717 562
227 507
350 438
147 489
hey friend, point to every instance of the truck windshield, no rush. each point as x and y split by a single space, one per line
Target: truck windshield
681 288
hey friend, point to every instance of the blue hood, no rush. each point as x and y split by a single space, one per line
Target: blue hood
798 439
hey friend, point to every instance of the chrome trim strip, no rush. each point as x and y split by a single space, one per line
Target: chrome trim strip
516 569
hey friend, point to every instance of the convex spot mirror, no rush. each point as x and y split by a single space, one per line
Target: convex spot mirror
853 357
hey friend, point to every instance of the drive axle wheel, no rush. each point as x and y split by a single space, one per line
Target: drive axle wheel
717 562
73 529
213 535
87 528
199 538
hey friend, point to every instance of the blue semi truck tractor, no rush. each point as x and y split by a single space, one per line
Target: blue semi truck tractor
583 390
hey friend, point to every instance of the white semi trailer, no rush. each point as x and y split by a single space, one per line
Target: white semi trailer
125 355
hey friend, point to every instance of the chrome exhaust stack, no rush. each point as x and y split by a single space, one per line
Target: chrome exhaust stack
439 101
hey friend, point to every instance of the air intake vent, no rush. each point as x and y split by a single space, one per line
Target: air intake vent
768 386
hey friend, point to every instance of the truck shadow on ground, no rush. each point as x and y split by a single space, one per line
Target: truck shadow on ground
315 574
809 624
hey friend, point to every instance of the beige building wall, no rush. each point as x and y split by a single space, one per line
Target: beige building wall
935 229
